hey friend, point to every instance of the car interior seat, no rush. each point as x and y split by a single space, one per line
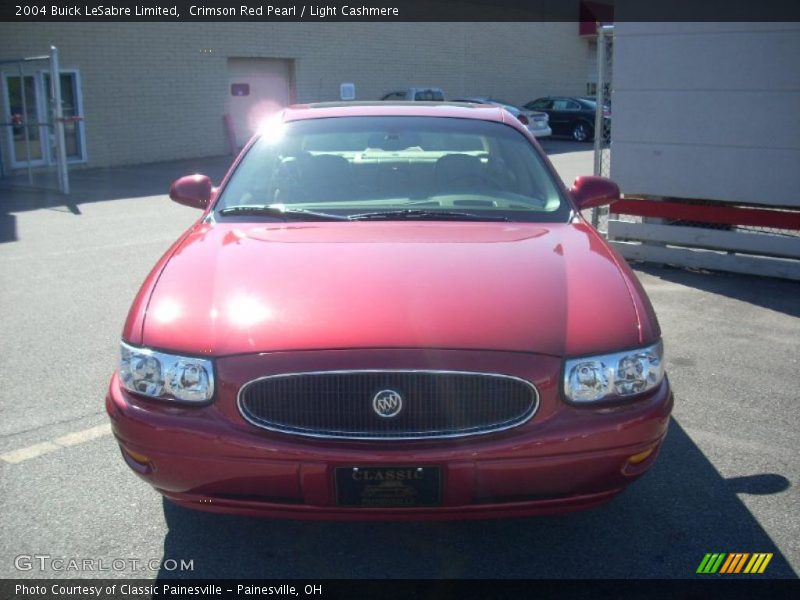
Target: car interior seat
324 177
460 173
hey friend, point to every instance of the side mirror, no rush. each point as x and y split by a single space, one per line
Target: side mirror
192 190
589 191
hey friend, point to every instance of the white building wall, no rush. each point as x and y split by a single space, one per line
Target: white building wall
708 111
156 91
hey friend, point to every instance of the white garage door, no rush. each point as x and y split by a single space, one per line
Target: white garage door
258 87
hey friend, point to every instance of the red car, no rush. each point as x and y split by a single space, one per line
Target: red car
390 311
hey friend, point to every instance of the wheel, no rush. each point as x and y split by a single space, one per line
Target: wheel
582 131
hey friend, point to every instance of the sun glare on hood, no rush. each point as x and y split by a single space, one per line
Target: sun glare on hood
245 311
167 311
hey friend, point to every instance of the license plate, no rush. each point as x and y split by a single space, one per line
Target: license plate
388 487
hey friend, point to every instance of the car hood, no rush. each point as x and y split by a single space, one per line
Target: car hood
232 288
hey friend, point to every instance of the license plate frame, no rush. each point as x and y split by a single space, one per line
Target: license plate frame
416 486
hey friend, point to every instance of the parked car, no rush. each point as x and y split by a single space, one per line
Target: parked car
416 94
536 122
390 311
573 116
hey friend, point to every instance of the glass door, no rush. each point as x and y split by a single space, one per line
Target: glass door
70 108
25 132
29 111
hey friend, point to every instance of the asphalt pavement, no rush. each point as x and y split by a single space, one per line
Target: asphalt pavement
726 480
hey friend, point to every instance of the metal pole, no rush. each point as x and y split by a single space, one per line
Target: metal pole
58 122
25 124
598 113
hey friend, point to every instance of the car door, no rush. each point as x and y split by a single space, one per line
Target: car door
562 115
587 111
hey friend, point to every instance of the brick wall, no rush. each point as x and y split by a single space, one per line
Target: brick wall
156 91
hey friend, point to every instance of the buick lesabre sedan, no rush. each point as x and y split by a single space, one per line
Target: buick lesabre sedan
390 311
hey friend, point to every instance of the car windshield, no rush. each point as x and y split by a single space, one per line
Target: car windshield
420 167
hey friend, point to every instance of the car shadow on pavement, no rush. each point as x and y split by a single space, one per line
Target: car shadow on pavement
661 527
102 184
780 295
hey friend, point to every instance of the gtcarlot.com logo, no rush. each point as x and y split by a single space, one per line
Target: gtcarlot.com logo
45 562
734 563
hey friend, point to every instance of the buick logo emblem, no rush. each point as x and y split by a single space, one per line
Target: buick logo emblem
387 403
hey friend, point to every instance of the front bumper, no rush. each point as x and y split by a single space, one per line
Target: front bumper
565 458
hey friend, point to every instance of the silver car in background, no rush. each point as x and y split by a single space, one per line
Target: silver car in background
538 123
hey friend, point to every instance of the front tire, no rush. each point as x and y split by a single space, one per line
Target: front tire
582 132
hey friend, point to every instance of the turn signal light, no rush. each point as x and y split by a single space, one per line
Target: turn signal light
641 456
137 457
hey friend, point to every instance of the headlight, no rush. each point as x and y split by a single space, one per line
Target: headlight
166 376
617 375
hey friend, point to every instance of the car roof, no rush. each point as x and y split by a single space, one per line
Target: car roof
462 110
575 98
415 88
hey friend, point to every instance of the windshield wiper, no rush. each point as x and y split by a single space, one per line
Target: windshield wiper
296 214
424 215
299 214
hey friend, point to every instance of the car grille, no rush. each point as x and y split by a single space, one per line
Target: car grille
341 404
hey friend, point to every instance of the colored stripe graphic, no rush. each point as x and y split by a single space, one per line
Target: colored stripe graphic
711 563
727 564
758 563
703 563
741 562
734 563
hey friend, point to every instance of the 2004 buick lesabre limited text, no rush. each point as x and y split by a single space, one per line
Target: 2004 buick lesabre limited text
100 10
390 311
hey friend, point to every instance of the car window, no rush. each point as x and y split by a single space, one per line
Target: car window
358 164
429 96
395 96
572 105
541 103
